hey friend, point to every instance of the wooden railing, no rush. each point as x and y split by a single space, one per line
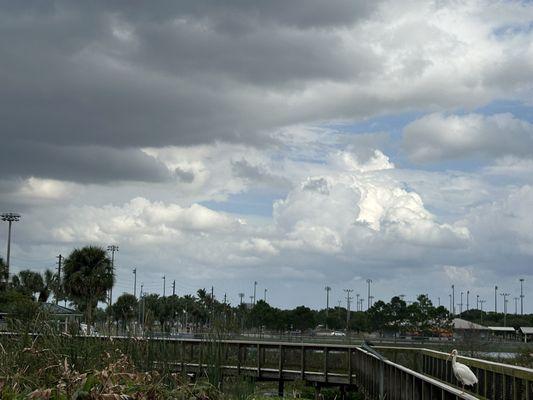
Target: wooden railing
497 381
321 365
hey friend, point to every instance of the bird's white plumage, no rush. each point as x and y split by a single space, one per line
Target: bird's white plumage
462 372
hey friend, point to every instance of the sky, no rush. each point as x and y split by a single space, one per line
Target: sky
299 144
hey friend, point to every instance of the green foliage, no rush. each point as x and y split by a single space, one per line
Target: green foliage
4 276
88 275
125 308
20 307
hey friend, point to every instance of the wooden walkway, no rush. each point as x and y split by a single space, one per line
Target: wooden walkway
317 364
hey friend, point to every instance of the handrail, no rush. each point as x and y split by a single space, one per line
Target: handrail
493 366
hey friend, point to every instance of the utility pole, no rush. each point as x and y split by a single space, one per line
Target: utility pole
477 301
451 308
495 299
467 300
327 289
461 304
521 296
255 287
59 288
135 282
516 305
453 300
265 295
112 248
10 218
139 305
504 295
369 303
164 285
241 295
438 299
481 304
362 301
357 305
348 298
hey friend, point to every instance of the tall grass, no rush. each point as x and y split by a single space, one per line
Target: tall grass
39 361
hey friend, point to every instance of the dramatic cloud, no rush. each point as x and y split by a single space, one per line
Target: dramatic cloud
309 141
127 76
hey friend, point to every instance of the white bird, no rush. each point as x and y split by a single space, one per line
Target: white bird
462 372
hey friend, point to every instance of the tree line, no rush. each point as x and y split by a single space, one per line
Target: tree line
88 276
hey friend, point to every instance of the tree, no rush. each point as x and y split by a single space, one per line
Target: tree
88 275
125 309
379 316
49 279
28 282
4 276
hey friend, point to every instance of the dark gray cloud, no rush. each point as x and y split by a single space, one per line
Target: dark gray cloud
119 74
85 164
259 175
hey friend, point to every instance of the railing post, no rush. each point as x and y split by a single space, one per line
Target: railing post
239 358
350 369
280 375
302 363
182 356
258 360
381 380
325 364
281 359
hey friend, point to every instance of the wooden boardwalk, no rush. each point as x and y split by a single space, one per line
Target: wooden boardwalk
347 367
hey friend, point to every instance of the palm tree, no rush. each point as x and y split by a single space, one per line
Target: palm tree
28 282
125 309
88 275
49 279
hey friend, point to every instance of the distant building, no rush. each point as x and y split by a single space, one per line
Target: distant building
527 333
63 316
464 329
502 332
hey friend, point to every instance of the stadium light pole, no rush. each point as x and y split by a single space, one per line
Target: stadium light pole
327 289
521 296
504 295
368 303
9 218
495 299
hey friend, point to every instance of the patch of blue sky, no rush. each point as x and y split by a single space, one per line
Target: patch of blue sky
513 29
391 123
256 203
517 108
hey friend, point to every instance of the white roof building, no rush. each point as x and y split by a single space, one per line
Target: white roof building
463 324
508 329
